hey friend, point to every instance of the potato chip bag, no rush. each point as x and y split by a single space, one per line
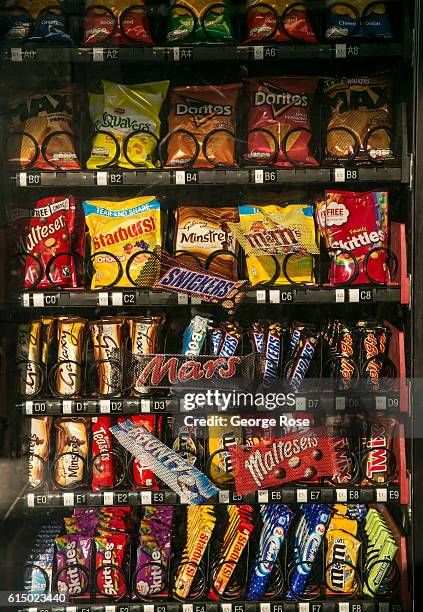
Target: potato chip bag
278 21
357 19
269 234
199 21
40 133
120 22
121 229
36 21
130 114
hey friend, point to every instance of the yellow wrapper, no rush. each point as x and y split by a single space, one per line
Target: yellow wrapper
221 439
121 111
122 229
340 577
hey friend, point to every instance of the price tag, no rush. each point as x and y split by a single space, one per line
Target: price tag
224 497
339 175
301 495
25 300
180 177
344 606
16 54
226 607
103 298
38 300
145 405
102 179
71 609
261 296
354 295
182 298
67 406
117 298
340 403
341 51
109 608
28 407
380 402
146 498
30 500
300 403
108 498
381 495
105 406
258 52
263 496
98 54
264 607
339 296
148 608
274 296
258 176
341 495
303 607
68 499
187 608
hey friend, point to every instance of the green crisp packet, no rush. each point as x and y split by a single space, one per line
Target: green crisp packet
196 21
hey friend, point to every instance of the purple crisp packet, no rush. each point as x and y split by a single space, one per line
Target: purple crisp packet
73 561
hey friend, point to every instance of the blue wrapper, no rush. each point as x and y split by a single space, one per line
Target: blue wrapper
273 352
276 521
301 364
371 23
195 336
49 27
317 517
215 340
180 475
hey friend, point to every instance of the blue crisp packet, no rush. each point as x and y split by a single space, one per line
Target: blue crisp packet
37 23
358 19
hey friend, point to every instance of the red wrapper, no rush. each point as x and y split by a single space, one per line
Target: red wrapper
103 471
277 21
143 476
297 457
110 551
279 122
125 23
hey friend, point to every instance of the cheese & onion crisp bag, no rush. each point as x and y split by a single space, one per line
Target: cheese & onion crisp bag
121 228
130 114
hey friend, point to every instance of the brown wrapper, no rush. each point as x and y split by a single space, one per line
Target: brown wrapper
70 339
47 333
28 357
106 337
203 231
38 449
377 443
144 333
71 438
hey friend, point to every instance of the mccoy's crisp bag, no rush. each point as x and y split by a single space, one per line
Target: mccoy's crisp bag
360 123
357 18
279 120
268 234
202 126
356 223
199 21
131 115
40 132
120 22
278 21
36 21
121 229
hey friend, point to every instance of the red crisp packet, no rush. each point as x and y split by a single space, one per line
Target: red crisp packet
298 457
101 447
110 557
356 223
143 476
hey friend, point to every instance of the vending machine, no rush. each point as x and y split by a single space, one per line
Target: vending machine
210 293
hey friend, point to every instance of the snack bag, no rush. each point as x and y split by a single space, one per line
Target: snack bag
199 20
131 115
357 19
122 228
36 21
357 223
268 234
278 21
44 237
119 22
360 122
279 121
40 133
203 231
202 126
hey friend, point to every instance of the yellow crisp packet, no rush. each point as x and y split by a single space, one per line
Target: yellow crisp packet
121 229
131 115
269 234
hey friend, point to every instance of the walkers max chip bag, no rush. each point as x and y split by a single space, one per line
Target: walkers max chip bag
202 126
121 22
118 230
127 119
36 21
199 21
358 19
48 237
360 122
357 223
278 21
40 132
279 122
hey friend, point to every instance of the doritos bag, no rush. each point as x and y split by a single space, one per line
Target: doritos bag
202 126
36 21
199 21
360 123
279 121
121 229
356 223
40 132
278 21
119 22
45 231
357 19
131 115
268 234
